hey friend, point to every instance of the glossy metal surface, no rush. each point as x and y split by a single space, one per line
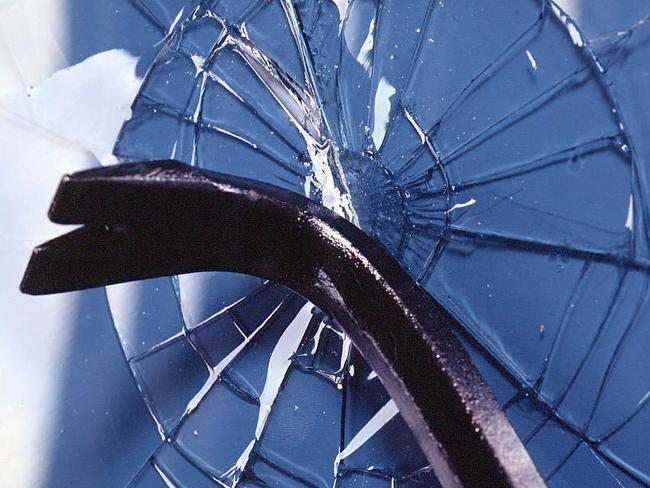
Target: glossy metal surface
153 219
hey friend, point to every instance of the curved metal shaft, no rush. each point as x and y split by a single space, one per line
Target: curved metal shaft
160 218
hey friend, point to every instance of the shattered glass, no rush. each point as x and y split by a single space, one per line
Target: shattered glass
496 150
479 174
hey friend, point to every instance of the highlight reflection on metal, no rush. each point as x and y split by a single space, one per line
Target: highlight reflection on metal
160 218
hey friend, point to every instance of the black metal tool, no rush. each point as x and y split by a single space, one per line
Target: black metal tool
160 218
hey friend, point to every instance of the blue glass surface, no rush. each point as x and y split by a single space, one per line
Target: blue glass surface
499 151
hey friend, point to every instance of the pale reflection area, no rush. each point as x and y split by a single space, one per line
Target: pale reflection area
41 117
33 387
34 333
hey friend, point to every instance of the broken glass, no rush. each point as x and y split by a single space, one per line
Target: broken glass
496 150
489 149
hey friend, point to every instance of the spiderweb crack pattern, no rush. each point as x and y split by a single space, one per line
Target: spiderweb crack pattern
511 185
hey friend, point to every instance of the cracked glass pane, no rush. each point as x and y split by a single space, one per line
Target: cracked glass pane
497 151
